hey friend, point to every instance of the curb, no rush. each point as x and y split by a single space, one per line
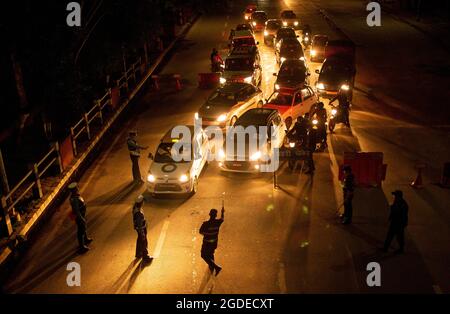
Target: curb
7 253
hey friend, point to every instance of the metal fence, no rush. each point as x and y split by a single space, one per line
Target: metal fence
31 183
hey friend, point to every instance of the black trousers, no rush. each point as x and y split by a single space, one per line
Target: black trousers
207 254
348 208
141 244
395 230
135 168
81 233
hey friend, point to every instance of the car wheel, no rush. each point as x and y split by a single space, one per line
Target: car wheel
233 120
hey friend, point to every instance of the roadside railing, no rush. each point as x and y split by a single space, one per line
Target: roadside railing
31 182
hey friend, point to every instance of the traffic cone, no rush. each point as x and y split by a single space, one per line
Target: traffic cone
177 78
417 183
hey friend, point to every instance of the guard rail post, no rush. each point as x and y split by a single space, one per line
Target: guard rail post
6 220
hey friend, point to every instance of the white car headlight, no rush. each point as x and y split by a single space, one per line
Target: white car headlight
306 39
221 154
222 117
302 58
248 79
266 33
222 80
296 23
282 59
246 17
254 23
345 87
284 23
333 111
151 178
292 144
277 87
313 53
184 178
320 86
255 156
315 121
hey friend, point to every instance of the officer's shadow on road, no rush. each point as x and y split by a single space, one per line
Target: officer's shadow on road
115 196
126 280
43 272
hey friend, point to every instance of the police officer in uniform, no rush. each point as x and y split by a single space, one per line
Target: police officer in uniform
140 225
344 105
135 152
79 211
399 221
210 232
348 188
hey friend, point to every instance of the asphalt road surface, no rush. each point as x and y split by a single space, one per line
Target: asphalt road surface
272 241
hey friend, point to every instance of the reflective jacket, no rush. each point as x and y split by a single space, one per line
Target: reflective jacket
210 230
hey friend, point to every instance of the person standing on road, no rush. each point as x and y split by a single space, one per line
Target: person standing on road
348 188
140 225
210 232
399 221
135 152
344 106
79 212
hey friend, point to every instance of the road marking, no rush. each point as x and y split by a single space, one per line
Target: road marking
161 239
282 279
437 289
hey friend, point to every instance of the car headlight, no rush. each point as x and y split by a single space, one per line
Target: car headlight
222 117
248 79
306 39
292 144
196 116
296 23
184 178
151 178
315 121
320 86
246 17
282 59
345 87
277 86
266 33
255 156
222 80
302 58
333 111
221 154
254 23
284 23
313 53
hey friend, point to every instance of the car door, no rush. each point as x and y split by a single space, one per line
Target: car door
297 106
310 99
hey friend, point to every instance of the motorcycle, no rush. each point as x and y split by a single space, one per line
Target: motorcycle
317 135
217 67
297 150
337 116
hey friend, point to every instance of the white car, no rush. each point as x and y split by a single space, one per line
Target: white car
176 171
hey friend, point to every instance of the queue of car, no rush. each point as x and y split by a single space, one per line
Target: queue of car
239 101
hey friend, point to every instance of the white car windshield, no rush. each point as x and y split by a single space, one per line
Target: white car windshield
164 154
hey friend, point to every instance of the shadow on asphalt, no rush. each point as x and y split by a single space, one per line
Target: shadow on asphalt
126 280
114 196
43 272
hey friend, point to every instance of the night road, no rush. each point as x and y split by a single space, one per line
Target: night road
285 240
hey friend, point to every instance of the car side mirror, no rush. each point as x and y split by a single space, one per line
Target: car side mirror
308 74
274 74
257 42
150 156
317 71
298 36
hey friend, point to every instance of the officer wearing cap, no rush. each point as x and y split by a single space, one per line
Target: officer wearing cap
210 232
398 221
135 152
140 225
79 211
348 188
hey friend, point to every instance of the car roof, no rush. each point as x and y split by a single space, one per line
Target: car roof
242 33
287 11
243 51
260 12
291 62
231 88
283 28
167 138
274 20
256 116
